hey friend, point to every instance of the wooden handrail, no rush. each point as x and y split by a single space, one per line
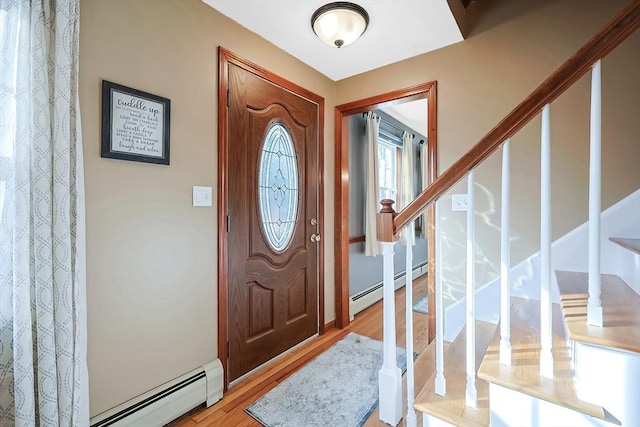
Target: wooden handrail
607 39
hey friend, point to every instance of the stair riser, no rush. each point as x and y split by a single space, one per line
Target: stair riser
512 408
610 379
627 263
429 421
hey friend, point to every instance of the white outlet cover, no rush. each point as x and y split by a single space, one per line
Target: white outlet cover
202 196
459 203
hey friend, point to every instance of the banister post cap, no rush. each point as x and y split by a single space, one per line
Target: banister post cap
384 222
386 206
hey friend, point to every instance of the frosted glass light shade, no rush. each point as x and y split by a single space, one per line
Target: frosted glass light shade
339 24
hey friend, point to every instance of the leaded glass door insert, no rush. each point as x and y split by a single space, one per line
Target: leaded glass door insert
278 187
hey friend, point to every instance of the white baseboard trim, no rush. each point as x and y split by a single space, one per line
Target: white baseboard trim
169 401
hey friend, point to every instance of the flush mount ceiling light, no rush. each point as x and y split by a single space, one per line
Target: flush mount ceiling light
340 23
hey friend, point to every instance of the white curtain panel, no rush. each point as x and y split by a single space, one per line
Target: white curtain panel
408 235
43 372
424 175
372 194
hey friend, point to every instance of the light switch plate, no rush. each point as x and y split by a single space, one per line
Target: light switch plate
459 203
202 196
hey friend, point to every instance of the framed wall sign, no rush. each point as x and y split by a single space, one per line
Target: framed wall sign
135 124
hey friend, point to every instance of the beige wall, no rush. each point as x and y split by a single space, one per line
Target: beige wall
151 288
513 48
151 285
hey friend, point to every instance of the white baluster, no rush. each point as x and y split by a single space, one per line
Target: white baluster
505 263
411 413
441 383
471 395
546 359
594 305
390 376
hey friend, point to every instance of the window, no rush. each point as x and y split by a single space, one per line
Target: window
278 187
387 169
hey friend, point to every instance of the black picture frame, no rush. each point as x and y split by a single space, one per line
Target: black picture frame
135 124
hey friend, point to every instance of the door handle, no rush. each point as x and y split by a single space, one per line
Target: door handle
315 238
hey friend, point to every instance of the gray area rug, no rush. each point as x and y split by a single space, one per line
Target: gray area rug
421 305
338 388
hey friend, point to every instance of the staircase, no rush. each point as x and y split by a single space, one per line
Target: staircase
451 407
572 363
521 384
516 394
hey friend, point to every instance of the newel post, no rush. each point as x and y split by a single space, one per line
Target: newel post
384 223
390 376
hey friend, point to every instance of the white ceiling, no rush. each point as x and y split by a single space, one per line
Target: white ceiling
413 114
398 29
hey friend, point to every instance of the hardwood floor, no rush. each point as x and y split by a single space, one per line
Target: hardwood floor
230 410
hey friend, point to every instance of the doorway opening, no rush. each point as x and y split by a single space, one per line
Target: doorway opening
343 118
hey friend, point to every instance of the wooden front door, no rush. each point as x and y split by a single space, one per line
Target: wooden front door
272 208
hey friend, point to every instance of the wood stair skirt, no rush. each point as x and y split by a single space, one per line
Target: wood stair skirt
451 408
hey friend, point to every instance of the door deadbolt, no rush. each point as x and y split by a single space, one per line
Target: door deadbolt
314 221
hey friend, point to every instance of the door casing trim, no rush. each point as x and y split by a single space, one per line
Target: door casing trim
225 58
426 91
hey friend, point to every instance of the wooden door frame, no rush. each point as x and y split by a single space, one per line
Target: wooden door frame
342 112
225 58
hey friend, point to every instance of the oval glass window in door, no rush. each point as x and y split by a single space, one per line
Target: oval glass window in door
278 187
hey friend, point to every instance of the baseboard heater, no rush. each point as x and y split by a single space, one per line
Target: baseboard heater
169 401
370 296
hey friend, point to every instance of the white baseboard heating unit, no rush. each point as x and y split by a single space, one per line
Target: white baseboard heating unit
371 295
169 401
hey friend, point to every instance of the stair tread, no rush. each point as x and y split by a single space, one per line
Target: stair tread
632 244
621 311
523 374
451 407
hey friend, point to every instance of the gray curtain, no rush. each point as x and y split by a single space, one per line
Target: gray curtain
372 193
